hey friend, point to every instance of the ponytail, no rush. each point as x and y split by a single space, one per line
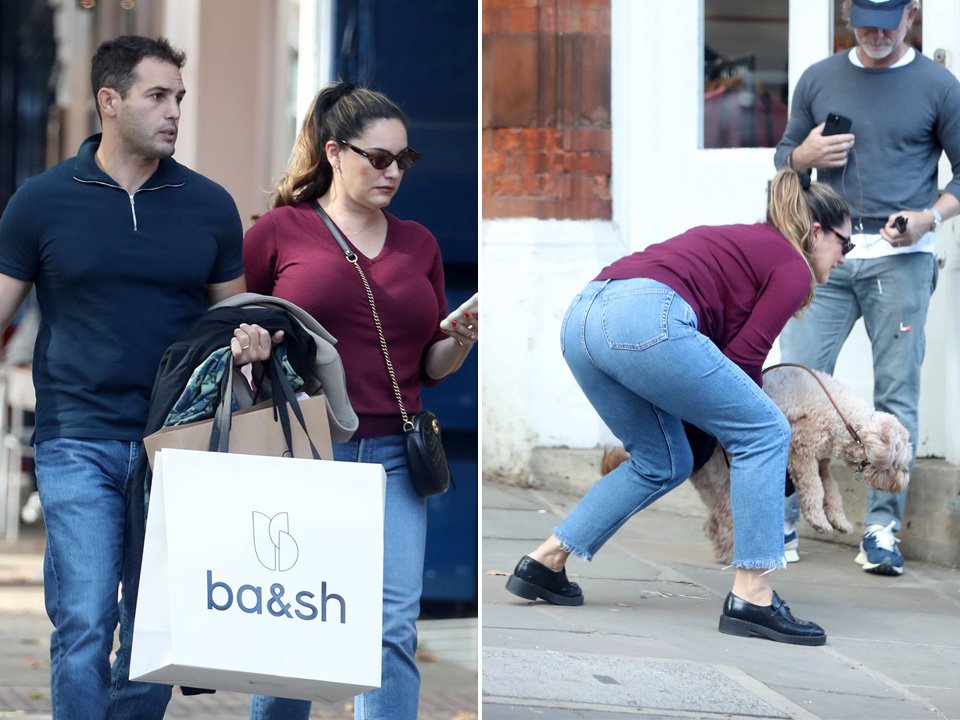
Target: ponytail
795 204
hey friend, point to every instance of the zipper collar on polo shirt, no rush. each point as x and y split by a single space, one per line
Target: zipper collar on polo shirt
169 174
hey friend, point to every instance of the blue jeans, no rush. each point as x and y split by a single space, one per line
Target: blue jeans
404 543
634 349
889 293
82 484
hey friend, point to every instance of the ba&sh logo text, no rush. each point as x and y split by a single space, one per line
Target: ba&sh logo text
276 549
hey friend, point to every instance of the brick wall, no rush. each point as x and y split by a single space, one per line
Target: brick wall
546 109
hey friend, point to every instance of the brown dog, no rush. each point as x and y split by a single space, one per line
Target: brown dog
879 446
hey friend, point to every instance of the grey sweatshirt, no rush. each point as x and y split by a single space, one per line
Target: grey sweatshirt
903 118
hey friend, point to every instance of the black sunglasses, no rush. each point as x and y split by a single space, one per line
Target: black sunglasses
381 159
846 245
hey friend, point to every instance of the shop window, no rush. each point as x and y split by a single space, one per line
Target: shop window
744 72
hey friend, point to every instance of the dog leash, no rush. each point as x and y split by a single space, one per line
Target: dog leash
850 429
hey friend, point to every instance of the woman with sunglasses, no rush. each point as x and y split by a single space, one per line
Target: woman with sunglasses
678 332
349 158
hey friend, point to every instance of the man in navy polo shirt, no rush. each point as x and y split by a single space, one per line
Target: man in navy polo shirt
126 248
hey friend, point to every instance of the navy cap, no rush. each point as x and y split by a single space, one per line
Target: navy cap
884 14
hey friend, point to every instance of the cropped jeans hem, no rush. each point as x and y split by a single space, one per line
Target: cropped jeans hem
774 563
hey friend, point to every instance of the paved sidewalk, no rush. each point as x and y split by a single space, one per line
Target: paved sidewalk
645 643
447 656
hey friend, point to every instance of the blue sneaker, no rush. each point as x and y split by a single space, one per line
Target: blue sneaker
878 551
791 547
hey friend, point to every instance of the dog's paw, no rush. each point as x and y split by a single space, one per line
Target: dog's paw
819 522
845 527
839 522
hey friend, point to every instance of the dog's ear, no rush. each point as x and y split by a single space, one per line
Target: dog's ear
886 441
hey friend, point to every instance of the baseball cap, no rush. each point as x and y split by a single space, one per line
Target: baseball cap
884 14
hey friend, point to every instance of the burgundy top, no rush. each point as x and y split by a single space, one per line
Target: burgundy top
289 253
743 281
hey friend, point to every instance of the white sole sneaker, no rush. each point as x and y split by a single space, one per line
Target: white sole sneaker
881 568
791 552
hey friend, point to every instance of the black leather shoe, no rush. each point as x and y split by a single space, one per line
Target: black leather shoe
774 622
532 580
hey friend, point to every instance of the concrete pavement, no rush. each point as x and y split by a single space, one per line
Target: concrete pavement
645 643
447 656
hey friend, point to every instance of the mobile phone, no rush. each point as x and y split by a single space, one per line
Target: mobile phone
837 124
470 306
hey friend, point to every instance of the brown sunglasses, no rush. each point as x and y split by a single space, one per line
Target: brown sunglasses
381 159
845 244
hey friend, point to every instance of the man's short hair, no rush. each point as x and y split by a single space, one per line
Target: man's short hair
113 64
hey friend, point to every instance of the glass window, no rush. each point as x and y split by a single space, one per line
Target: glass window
843 38
744 72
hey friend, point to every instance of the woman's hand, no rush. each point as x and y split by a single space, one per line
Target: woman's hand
465 330
252 343
446 356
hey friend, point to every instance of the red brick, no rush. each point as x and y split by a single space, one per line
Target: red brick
589 162
546 109
548 18
595 139
511 4
510 80
518 208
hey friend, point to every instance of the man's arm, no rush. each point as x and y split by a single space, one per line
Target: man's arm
221 291
12 294
919 222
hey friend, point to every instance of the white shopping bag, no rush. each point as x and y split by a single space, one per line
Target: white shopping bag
262 575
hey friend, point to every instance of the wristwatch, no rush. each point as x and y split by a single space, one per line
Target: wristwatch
937 218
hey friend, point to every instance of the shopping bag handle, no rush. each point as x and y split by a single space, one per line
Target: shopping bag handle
223 418
283 398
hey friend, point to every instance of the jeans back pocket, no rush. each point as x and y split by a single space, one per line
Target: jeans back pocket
635 319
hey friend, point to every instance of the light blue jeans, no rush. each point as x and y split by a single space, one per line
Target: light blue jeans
404 543
634 349
82 484
889 293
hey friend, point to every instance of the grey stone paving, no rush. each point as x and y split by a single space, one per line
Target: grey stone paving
653 596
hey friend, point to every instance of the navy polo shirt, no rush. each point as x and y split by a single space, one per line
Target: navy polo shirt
119 278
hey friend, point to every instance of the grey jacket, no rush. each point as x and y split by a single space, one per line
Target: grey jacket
327 377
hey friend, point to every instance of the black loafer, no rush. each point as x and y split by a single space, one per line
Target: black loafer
532 580
774 622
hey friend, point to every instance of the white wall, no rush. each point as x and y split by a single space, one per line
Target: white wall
531 271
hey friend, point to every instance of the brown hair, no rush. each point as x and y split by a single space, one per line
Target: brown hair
114 63
795 204
341 111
